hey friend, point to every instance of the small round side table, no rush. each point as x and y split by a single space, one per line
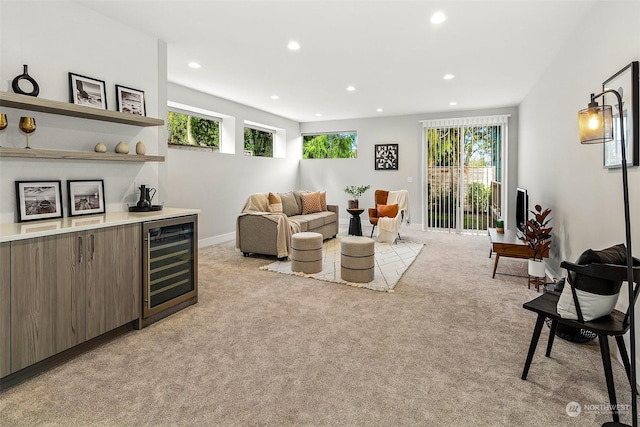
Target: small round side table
355 225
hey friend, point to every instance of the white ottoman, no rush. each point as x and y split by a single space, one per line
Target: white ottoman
306 252
357 259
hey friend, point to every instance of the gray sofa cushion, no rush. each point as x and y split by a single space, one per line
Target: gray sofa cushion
289 204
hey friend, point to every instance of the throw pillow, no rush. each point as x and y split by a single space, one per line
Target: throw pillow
592 306
275 203
597 297
298 195
311 203
323 200
289 205
388 210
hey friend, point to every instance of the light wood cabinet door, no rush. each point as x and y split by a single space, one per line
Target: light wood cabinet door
47 297
5 309
113 278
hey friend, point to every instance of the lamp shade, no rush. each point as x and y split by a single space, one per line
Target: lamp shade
596 124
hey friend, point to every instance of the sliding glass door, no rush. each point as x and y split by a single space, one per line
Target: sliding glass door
464 173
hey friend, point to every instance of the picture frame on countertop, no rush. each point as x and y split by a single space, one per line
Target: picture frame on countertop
626 83
386 156
36 200
86 197
87 91
130 100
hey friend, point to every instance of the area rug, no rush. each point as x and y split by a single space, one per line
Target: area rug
391 261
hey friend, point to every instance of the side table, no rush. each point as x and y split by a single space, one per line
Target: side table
355 225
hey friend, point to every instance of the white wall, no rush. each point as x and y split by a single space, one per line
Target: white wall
558 171
406 131
219 183
53 39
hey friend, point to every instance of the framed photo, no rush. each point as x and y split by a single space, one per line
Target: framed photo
86 197
38 200
87 91
386 156
130 101
626 83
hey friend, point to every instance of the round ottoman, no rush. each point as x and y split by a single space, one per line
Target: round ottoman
357 260
306 252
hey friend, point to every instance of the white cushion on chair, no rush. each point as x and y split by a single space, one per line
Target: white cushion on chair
592 305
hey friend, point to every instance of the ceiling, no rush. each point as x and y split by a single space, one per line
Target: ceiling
388 50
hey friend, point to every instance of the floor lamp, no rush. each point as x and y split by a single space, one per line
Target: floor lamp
596 126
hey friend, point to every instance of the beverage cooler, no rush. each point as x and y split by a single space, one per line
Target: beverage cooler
170 266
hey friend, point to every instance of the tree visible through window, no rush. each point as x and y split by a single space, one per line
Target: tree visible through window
192 130
258 142
330 146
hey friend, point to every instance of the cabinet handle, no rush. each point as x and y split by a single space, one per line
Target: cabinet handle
80 251
93 246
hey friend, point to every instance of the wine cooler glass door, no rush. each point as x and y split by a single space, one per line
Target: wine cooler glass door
170 273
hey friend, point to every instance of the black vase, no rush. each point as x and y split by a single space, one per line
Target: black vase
15 84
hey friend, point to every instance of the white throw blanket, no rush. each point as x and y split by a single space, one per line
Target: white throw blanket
258 204
388 227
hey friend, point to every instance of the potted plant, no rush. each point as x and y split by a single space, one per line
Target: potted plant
356 192
538 238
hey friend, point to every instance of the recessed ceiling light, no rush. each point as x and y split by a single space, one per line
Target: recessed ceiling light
293 45
194 65
379 110
351 88
448 76
438 18
318 115
275 97
452 103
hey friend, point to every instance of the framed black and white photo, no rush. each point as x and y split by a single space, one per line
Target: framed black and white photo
130 100
86 197
87 91
626 83
38 200
386 156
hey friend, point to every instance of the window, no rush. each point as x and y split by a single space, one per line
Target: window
330 146
258 142
193 131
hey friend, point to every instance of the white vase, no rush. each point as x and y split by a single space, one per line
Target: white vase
536 268
122 148
141 150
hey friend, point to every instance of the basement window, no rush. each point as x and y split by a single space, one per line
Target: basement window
258 141
194 131
343 145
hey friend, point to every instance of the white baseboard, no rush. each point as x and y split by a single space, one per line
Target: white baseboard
222 238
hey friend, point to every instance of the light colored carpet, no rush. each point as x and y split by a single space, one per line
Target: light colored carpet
391 261
260 349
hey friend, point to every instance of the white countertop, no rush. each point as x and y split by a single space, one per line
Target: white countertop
28 230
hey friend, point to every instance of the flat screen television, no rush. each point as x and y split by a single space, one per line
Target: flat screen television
522 208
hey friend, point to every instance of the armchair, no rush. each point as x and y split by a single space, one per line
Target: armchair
392 207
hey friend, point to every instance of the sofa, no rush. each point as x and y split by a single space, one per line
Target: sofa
268 220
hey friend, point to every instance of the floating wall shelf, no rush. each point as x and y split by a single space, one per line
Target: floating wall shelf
25 102
75 155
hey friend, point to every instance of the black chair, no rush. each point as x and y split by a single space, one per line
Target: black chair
616 324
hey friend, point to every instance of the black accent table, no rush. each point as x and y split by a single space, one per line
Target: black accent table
355 225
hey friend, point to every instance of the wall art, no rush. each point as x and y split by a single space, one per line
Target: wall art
38 200
386 156
87 91
626 83
86 197
130 100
